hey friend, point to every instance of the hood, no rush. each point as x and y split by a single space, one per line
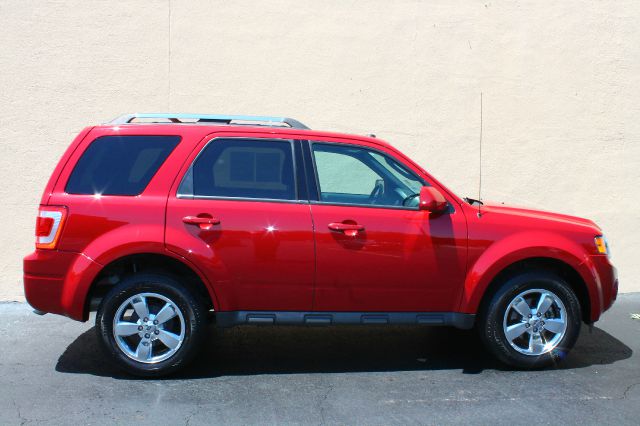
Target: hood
524 212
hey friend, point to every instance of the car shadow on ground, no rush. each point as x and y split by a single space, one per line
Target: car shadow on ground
250 350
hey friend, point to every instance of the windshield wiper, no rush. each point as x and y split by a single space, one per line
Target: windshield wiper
473 201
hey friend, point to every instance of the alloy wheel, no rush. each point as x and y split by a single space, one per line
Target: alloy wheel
149 328
535 322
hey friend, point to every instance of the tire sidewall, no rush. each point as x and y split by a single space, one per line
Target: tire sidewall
191 308
492 330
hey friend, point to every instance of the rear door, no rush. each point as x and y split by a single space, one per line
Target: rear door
240 216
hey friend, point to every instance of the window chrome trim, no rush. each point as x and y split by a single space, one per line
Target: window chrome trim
192 196
259 200
371 206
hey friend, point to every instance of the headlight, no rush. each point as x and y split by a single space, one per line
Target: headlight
601 245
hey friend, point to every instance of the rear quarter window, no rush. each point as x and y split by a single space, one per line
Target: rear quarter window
120 165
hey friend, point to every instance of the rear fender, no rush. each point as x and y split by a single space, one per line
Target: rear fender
108 248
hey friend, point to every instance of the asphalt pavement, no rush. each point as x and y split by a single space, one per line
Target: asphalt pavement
52 372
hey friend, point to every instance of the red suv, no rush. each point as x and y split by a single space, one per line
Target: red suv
163 221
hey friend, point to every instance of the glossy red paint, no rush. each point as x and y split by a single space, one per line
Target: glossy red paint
431 200
57 281
259 256
301 255
500 236
403 260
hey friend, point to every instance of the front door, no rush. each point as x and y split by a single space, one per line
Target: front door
237 217
375 251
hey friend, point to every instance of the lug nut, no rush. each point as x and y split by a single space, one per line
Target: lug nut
529 315
145 343
140 328
535 329
539 314
147 335
145 319
527 325
157 332
155 322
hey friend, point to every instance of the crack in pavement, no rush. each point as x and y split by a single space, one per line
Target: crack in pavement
322 403
23 421
626 391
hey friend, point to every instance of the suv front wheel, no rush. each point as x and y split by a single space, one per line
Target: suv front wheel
532 321
150 324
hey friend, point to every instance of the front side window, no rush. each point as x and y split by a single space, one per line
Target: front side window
355 175
119 165
243 169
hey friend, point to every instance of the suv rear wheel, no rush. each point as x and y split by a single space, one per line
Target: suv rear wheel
532 321
150 324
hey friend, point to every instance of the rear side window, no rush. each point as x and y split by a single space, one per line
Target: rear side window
120 165
243 169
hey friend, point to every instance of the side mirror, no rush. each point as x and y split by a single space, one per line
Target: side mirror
431 200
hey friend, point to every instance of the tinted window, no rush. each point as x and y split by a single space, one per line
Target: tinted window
353 175
120 165
243 169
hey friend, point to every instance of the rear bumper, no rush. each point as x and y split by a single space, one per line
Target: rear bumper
57 282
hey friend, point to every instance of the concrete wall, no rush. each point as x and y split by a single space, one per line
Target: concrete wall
560 81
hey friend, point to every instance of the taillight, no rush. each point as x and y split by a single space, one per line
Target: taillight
49 225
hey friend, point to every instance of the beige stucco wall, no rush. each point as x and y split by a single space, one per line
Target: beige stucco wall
561 84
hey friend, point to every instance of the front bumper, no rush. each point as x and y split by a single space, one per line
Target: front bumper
606 276
58 282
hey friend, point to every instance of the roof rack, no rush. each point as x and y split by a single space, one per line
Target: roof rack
254 120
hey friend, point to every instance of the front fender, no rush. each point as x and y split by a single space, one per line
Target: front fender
527 245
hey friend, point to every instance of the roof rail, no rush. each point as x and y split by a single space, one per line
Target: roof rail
208 118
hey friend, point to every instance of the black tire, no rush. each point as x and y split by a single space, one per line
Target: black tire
492 315
190 306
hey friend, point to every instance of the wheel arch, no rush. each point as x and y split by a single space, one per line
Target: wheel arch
556 266
148 262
